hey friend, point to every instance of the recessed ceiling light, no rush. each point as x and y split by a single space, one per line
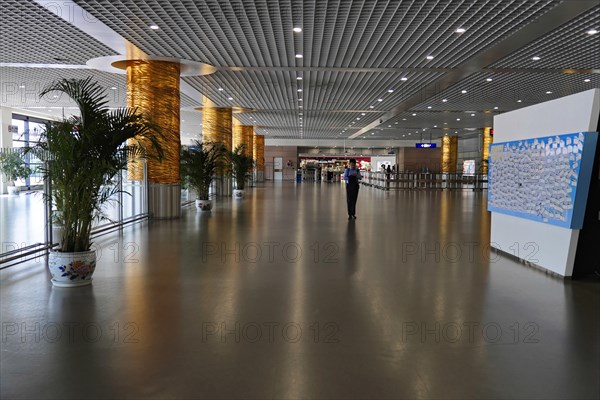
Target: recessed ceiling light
403 119
220 89
472 115
429 57
363 114
548 92
495 108
445 123
444 100
357 118
585 80
463 91
435 126
535 58
298 55
299 90
409 133
379 99
429 107
300 99
414 115
372 133
22 86
299 78
461 30
389 126
489 79
230 98
458 119
391 91
404 78
300 106
519 101
297 29
371 106
592 32
183 120
396 122
112 88
155 27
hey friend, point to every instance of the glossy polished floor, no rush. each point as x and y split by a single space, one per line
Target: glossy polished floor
280 296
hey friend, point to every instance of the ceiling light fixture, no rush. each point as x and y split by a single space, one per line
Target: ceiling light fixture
592 32
404 78
298 55
297 29
155 27
489 79
472 115
444 100
299 90
112 88
391 91
371 106
585 80
458 119
495 108
363 114
379 99
414 115
535 58
519 101
463 91
429 107
299 78
220 89
230 98
548 92
461 30
429 57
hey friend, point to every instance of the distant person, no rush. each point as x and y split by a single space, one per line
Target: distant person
352 176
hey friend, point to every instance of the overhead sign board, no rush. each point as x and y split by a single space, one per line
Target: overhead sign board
425 145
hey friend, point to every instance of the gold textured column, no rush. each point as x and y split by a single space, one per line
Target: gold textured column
449 153
258 153
217 125
242 134
487 140
153 88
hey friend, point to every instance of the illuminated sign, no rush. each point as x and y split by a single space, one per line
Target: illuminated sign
425 145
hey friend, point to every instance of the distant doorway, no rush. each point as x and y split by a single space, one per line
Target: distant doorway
278 168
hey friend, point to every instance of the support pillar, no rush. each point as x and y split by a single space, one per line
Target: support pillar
5 138
153 88
487 140
217 128
449 153
258 154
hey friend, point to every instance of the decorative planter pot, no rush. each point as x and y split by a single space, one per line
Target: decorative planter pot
238 194
204 205
12 190
71 269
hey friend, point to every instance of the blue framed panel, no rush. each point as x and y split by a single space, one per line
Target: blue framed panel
544 179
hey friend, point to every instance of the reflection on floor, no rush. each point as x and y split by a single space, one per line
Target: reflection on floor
280 296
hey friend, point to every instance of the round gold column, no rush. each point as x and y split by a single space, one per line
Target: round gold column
217 125
487 140
153 89
449 153
258 154
242 134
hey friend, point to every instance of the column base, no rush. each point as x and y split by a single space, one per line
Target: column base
259 176
164 200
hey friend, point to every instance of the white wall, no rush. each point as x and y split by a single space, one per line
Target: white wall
555 245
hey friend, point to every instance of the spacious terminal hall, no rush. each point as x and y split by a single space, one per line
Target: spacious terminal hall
285 199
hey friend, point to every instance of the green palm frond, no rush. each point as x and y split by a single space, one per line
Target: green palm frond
84 154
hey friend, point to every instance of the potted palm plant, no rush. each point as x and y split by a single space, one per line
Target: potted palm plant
13 167
82 156
199 163
241 166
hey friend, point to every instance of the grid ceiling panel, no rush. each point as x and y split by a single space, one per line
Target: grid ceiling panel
337 33
21 87
566 47
29 33
506 89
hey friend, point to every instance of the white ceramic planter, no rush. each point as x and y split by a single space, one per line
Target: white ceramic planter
238 194
204 205
71 269
12 190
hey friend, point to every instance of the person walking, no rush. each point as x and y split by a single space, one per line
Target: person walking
352 176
